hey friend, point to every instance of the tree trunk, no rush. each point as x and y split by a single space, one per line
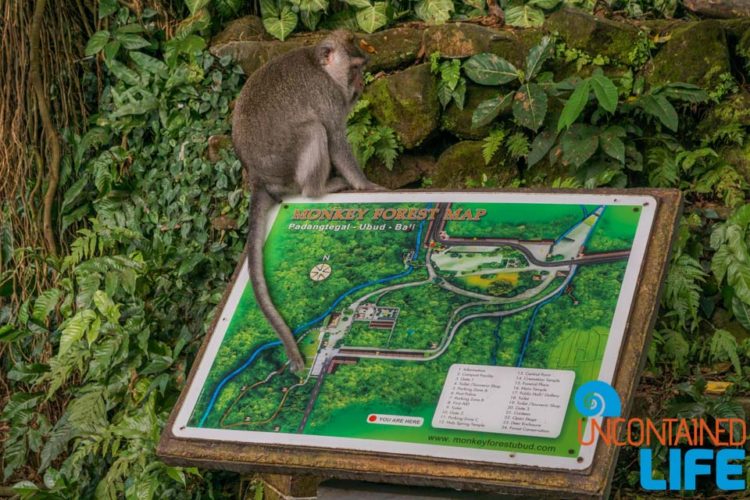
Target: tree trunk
719 8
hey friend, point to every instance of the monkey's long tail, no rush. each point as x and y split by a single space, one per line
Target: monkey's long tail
260 203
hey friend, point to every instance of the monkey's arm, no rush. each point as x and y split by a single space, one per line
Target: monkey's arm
343 160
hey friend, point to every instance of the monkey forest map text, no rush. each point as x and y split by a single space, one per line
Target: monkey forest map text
454 325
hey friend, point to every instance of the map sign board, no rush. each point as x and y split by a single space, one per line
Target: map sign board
440 325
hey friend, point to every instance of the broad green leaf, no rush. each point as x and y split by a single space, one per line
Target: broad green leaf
130 28
659 107
579 143
537 56
124 73
741 311
459 94
684 92
199 21
541 145
477 4
110 50
530 106
373 17
71 195
228 8
282 26
97 42
738 276
434 11
724 347
106 306
360 4
574 106
741 216
310 19
148 63
131 41
605 92
489 69
107 7
93 331
269 8
524 16
196 5
313 5
611 143
720 263
489 109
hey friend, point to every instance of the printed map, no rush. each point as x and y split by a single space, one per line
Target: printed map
385 297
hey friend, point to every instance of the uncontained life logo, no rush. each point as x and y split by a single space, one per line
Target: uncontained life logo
696 446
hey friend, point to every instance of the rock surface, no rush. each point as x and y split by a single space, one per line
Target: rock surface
696 53
593 35
407 170
403 95
407 102
392 48
462 164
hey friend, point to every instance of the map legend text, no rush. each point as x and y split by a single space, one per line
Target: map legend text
504 400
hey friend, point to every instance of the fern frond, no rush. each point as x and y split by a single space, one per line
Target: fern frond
492 144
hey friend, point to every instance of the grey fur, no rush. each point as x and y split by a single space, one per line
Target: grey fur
289 129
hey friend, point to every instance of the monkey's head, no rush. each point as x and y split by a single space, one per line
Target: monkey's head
342 59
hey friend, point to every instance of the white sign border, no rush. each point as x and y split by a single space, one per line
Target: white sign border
584 459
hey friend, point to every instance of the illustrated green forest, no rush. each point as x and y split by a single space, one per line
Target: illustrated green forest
123 208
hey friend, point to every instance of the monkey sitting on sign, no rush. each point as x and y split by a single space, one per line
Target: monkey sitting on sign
289 132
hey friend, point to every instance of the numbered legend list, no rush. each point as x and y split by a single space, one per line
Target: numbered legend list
504 400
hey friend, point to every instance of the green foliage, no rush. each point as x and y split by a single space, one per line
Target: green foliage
434 11
492 144
529 100
451 85
369 139
279 20
528 13
142 196
731 262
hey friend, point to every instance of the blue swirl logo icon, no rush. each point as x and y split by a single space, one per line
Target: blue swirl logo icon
598 399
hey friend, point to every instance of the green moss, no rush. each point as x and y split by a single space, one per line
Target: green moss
597 37
462 164
407 102
696 53
393 48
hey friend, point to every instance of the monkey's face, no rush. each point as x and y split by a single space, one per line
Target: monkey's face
344 62
356 75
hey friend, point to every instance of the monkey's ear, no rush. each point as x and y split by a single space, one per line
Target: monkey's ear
324 52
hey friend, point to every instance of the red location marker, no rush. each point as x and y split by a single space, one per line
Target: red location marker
372 418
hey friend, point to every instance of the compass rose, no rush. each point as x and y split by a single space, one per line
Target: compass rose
320 272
